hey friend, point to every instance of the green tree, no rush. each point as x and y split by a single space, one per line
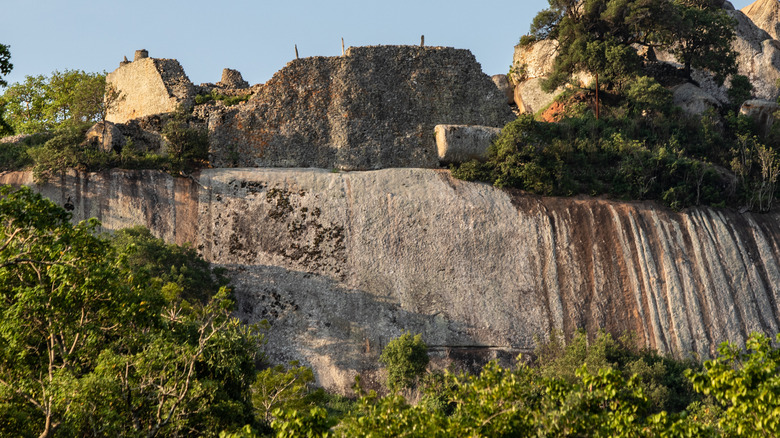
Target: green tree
740 90
187 145
283 388
406 358
88 349
43 103
747 385
597 36
5 63
702 35
5 68
25 105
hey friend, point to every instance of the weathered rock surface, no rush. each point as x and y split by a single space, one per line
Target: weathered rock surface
762 111
503 85
530 97
148 86
340 263
534 61
105 136
759 56
693 100
461 143
373 108
14 139
766 15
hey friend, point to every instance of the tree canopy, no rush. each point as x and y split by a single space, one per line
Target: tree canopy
5 63
42 103
601 37
112 338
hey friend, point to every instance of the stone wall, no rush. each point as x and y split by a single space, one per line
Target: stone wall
149 86
341 263
373 108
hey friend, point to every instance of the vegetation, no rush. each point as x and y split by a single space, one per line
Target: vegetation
405 359
227 100
113 337
130 336
5 63
642 147
46 103
5 68
600 37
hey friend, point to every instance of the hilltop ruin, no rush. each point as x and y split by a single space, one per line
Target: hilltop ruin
375 107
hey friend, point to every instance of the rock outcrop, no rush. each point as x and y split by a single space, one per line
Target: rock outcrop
373 108
758 56
340 263
530 65
693 100
232 79
503 85
766 15
758 59
148 86
762 112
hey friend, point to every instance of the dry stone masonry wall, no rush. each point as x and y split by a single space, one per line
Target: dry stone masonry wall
148 86
373 108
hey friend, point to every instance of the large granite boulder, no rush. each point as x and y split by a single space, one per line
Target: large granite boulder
758 56
762 111
534 60
693 100
105 136
461 143
373 108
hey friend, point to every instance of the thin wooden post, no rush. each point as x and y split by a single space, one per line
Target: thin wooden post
296 51
422 40
342 47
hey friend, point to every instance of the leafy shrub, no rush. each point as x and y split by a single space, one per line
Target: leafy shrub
526 40
628 158
406 358
740 90
188 146
745 385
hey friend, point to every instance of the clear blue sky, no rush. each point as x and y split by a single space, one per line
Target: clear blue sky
256 37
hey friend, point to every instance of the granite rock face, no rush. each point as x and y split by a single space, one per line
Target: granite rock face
766 15
758 56
340 263
373 108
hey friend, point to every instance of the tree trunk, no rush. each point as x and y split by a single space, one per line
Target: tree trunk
597 96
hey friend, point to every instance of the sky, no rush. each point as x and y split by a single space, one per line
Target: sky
257 37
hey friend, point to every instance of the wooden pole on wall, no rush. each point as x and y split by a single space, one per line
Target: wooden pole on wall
342 46
422 40
296 51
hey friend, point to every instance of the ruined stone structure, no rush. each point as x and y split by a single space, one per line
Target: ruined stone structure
148 86
232 79
373 108
340 263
